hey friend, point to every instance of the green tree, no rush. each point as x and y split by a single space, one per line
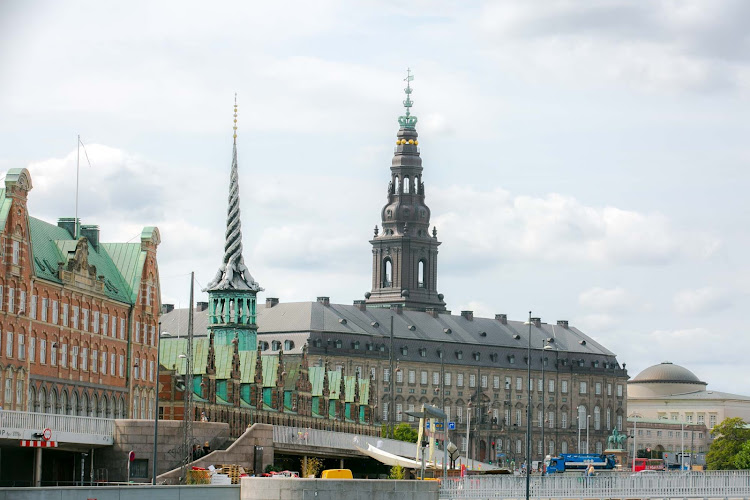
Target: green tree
397 472
732 435
742 459
404 432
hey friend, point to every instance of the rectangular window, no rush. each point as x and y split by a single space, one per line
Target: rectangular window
148 295
54 312
472 380
11 295
136 365
114 326
85 320
448 378
460 414
94 360
598 388
540 418
609 389
386 375
701 419
495 382
564 420
121 366
689 418
9 344
712 421
151 371
399 376
619 423
16 252
411 409
399 411
64 356
42 351
518 417
540 385
564 386
104 363
484 381
582 388
507 383
85 359
65 309
460 380
671 433
551 386
53 353
45 303
619 390
519 383
105 323
658 433
137 331
2 298
19 393
32 349
75 317
32 313
153 335
412 377
73 357
95 322
386 416
435 378
22 301
423 377
551 419
122 328
21 347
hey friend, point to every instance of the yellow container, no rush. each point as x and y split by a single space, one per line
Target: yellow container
336 474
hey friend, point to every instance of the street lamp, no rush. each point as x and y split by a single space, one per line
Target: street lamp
528 412
156 403
588 417
545 347
635 416
578 423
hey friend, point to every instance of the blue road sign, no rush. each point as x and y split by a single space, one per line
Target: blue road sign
451 426
438 425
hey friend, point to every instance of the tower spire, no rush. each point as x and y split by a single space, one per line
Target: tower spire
408 121
233 274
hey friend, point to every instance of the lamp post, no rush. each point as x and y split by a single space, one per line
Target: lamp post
445 423
578 423
156 404
588 417
635 416
545 347
528 412
391 374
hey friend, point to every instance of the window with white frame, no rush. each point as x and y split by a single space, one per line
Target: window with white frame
609 389
74 357
55 312
32 349
137 331
85 358
423 377
460 380
598 388
65 308
447 378
619 390
94 360
711 420
45 303
619 423
22 301
564 386
564 420
75 317
103 363
507 383
151 370
136 366
551 419
435 378
105 323
399 376
114 326
53 353
518 446
153 335
9 344
582 387
122 328
597 418
411 410
609 419
519 415
95 322
519 383
551 385
460 414
701 419
399 412
386 375
496 382
11 296
85 320
16 253
540 418
472 380
42 351
64 356
21 347
121 366
484 381
32 313
599 447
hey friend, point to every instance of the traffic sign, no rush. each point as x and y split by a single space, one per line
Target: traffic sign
47 434
451 426
131 456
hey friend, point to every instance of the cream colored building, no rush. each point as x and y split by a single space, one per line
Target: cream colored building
671 408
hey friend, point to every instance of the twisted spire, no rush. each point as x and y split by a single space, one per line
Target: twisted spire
233 274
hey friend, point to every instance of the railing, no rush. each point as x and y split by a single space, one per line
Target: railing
339 440
716 484
37 422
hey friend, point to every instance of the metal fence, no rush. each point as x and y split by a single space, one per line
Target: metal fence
339 440
23 420
710 484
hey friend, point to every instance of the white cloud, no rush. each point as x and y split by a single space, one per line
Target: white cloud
557 228
702 300
596 324
605 299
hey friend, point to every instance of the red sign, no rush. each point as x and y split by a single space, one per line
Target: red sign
29 443
47 434
131 456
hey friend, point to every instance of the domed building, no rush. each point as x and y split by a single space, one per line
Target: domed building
672 409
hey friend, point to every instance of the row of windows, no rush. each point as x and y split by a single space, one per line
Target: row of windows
275 345
11 381
78 318
83 405
689 418
77 357
496 381
672 434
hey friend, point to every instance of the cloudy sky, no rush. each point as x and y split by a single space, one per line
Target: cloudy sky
583 160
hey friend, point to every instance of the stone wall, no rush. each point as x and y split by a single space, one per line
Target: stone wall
241 452
138 436
149 492
258 488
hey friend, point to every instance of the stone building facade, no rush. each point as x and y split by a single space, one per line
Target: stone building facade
78 316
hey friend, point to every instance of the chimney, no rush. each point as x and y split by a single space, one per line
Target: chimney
167 308
432 312
502 318
563 323
91 232
271 301
201 306
69 224
326 301
537 322
397 307
469 315
360 304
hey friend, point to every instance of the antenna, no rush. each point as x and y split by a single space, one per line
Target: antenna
78 164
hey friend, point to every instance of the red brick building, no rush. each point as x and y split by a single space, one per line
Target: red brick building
78 317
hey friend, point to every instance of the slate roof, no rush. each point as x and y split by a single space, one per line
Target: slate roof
296 320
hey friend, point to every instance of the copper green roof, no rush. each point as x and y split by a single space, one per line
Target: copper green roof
51 244
247 367
270 368
334 383
316 380
129 260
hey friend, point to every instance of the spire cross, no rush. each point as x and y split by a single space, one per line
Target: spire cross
408 102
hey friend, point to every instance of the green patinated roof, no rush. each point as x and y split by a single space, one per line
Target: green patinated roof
270 368
316 380
4 208
170 350
349 389
129 260
364 390
292 370
224 355
247 366
51 244
334 384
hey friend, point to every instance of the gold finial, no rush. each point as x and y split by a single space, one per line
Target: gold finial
234 135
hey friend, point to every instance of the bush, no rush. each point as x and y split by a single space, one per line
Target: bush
397 472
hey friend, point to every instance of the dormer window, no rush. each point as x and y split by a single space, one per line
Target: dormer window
512 359
404 351
459 355
275 345
476 356
288 345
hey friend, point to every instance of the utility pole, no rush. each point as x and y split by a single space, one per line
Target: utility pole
187 437
392 406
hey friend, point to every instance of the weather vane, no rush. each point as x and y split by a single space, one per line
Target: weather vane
408 121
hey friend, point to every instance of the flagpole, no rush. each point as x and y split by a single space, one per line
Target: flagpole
78 164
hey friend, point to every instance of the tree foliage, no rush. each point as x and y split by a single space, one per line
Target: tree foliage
314 466
742 459
404 432
397 472
732 436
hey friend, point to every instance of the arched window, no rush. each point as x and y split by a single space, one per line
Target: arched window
144 404
387 272
93 405
407 185
9 389
74 404
288 345
275 345
53 401
32 398
106 408
42 400
151 405
64 408
136 400
581 417
398 185
84 403
421 274
609 419
118 407
597 418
